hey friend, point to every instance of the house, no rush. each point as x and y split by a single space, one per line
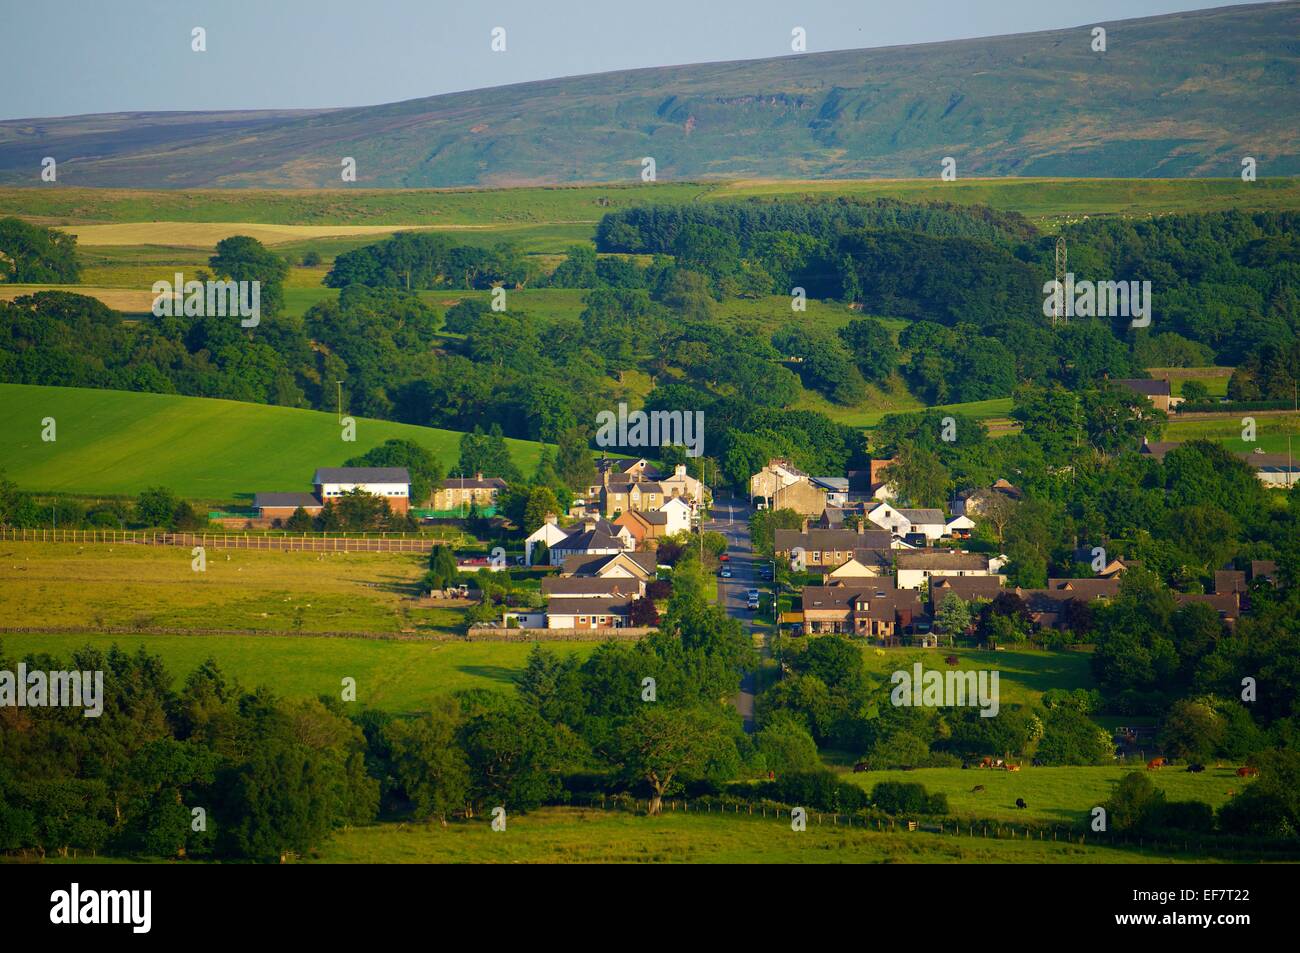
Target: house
874 610
1230 580
966 588
679 513
624 565
776 474
1048 607
973 502
460 493
596 612
644 495
1274 470
878 486
802 497
858 569
593 587
548 533
624 472
903 521
915 568
1158 392
683 486
837 489
1090 587
644 526
1226 604
959 527
1265 569
280 506
828 549
592 538
393 484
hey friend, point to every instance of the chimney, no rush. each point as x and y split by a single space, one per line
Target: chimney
862 525
552 519
679 471
478 476
803 527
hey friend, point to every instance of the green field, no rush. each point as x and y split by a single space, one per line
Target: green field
1051 795
1047 201
582 835
402 677
1272 432
119 442
121 584
1023 676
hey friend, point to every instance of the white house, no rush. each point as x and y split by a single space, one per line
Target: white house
679 515
901 521
593 538
392 483
960 526
549 533
916 568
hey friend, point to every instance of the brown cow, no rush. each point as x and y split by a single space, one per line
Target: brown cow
1012 767
1248 772
1155 764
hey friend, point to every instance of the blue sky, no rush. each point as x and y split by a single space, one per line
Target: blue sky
86 56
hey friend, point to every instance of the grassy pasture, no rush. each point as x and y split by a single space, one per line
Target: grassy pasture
1064 795
1023 676
68 584
402 677
118 442
588 835
1046 200
1272 432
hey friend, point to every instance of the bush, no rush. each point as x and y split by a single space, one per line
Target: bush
1195 817
903 797
820 790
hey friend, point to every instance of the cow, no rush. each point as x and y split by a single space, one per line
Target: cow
1012 767
860 767
977 788
986 763
1248 772
1155 764
1020 803
951 659
1196 768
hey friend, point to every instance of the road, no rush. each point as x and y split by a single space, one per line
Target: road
731 519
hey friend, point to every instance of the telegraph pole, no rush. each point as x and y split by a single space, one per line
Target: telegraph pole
1058 306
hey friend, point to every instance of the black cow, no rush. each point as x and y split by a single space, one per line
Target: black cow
1020 803
1196 768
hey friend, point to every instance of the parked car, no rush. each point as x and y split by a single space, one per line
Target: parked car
724 558
726 573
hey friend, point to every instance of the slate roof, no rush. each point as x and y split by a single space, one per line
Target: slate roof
361 475
617 605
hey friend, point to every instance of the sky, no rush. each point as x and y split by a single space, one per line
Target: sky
89 56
